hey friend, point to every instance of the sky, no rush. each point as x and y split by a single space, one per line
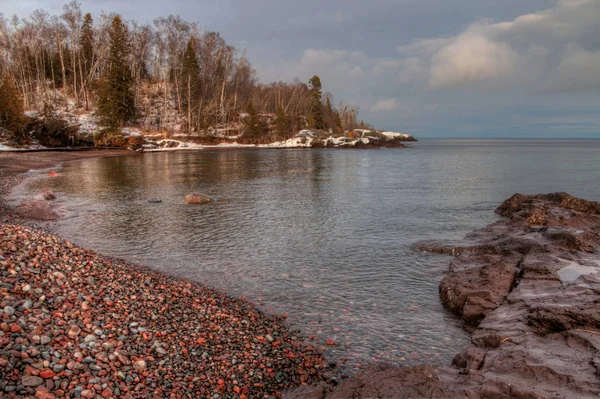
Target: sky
432 68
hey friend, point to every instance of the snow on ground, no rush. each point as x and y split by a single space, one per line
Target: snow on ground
131 132
393 135
177 145
4 147
294 142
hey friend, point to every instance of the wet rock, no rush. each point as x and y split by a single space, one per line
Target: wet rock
45 195
38 210
198 198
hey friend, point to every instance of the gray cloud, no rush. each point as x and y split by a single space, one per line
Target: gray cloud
525 49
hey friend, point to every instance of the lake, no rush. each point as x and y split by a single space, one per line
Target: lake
324 236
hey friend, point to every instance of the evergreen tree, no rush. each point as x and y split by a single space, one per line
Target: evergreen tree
282 123
328 106
191 82
316 111
116 102
86 41
254 127
12 113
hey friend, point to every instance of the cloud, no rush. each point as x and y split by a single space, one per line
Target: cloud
539 49
337 69
578 69
386 105
471 58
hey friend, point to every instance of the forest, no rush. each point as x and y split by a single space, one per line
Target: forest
166 76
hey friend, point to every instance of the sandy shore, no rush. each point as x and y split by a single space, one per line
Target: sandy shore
74 323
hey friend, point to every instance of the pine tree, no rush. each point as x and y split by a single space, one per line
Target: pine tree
191 82
12 113
254 127
316 111
86 58
116 102
282 123
86 42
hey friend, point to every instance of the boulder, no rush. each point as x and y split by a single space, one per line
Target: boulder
198 198
46 194
38 210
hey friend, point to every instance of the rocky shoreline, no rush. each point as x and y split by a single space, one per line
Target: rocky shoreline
74 323
530 286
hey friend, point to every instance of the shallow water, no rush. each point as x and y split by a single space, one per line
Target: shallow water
322 235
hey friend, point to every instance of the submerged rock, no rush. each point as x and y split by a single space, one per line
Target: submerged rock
38 210
198 198
46 194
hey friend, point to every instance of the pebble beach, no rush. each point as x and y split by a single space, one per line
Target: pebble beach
74 323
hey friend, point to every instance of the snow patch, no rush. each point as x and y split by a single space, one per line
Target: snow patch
394 135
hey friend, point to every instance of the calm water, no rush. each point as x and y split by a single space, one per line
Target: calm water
322 235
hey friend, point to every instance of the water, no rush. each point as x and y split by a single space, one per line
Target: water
322 235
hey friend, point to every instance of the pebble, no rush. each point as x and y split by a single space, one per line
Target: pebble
89 338
32 381
113 329
74 331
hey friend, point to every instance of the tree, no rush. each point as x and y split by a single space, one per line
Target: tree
316 109
282 123
86 42
254 127
11 106
191 82
116 103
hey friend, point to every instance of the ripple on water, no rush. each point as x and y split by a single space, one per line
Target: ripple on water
324 236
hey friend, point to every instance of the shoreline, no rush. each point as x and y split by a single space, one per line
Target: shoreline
529 285
95 326
499 270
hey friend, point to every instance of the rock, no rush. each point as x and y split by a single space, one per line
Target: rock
89 338
139 366
160 351
46 374
154 201
38 210
197 198
46 194
32 381
9 310
43 394
173 319
74 331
